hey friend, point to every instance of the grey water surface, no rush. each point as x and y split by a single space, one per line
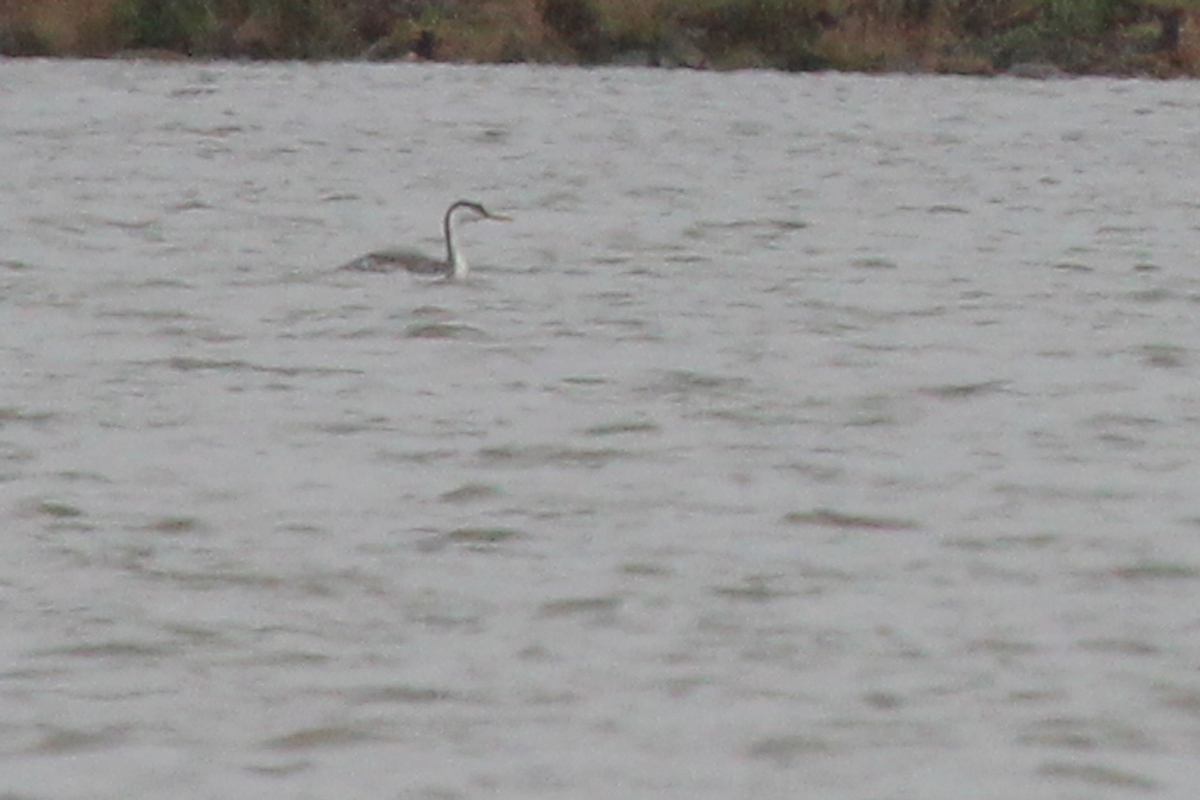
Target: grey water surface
817 436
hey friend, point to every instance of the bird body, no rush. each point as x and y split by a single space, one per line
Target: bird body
454 267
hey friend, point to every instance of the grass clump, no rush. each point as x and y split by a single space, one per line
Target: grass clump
57 27
780 32
723 33
302 29
178 25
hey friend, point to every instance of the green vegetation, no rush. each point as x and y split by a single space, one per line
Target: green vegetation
978 36
167 24
255 28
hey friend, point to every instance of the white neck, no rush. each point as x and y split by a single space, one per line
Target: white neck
454 259
459 266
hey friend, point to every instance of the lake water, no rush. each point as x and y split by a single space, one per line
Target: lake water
804 436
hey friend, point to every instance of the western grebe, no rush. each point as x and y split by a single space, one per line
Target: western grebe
452 268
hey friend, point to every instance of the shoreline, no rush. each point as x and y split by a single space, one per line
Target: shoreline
1024 38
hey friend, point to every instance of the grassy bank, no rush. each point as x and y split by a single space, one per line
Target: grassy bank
962 36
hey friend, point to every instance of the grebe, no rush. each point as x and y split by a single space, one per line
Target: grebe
454 267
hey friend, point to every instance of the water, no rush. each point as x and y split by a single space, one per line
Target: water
804 436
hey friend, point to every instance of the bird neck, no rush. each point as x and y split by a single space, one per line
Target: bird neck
454 259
